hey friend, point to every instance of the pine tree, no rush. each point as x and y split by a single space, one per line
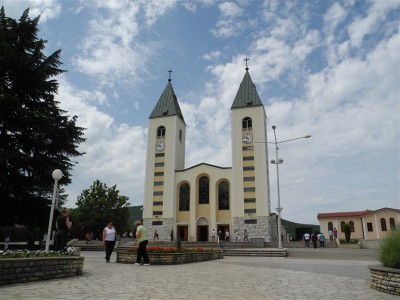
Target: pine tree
36 136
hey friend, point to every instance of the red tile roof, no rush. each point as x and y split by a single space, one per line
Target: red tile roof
343 214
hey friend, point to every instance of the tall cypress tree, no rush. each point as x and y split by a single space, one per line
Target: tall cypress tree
36 136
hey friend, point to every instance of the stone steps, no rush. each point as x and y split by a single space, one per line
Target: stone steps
262 252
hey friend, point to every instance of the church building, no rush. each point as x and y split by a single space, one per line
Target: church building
193 201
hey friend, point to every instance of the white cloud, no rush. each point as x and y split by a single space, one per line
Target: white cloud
212 55
112 149
47 9
335 15
230 9
376 13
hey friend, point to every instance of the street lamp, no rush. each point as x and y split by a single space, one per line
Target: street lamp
278 161
57 175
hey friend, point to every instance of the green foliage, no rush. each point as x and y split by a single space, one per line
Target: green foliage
36 136
97 206
390 250
347 232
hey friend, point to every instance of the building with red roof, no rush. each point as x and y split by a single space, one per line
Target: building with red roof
365 224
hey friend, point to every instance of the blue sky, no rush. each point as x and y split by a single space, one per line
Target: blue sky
325 68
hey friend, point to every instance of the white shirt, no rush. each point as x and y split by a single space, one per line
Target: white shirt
110 234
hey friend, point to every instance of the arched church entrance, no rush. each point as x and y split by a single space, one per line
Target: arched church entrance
202 230
182 232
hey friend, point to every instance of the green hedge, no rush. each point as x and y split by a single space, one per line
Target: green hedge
390 250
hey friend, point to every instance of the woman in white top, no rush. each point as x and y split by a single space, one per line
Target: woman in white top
109 237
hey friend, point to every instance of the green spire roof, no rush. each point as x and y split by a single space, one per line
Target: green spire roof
167 105
247 94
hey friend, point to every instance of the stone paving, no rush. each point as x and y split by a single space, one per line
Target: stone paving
306 275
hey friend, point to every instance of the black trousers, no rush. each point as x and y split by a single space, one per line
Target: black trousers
109 249
60 240
141 251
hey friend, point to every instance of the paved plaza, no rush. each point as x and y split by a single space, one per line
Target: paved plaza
305 274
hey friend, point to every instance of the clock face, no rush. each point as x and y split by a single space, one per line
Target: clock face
247 138
160 146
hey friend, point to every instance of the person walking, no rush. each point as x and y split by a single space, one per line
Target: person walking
314 239
156 235
7 241
63 225
322 240
213 233
335 233
307 239
237 236
330 235
109 238
245 238
171 234
141 237
221 239
227 235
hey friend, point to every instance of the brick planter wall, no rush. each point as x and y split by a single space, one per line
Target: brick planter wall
17 270
128 256
385 280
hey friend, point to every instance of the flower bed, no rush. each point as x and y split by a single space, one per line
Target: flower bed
169 255
23 266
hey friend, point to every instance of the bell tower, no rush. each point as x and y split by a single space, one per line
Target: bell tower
250 189
165 154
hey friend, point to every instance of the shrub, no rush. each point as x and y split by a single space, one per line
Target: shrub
347 232
390 250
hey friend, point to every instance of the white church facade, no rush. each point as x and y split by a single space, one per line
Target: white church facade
193 201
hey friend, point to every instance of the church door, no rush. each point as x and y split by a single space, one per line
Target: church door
183 232
202 233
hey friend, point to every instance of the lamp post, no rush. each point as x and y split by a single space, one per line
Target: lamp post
278 161
57 175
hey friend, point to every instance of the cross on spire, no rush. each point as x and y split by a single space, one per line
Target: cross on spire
246 59
170 71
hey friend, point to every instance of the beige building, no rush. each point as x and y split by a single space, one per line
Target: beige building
365 225
194 201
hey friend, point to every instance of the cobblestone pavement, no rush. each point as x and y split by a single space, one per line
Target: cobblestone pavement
297 277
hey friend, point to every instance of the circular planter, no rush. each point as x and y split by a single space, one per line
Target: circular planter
127 255
385 280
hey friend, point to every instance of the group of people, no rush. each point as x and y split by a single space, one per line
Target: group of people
222 237
110 238
314 238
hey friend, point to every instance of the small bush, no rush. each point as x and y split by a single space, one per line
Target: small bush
390 250
347 232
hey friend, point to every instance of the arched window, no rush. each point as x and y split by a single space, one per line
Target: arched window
161 131
223 196
392 224
184 197
383 224
342 225
330 226
204 189
247 124
351 224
